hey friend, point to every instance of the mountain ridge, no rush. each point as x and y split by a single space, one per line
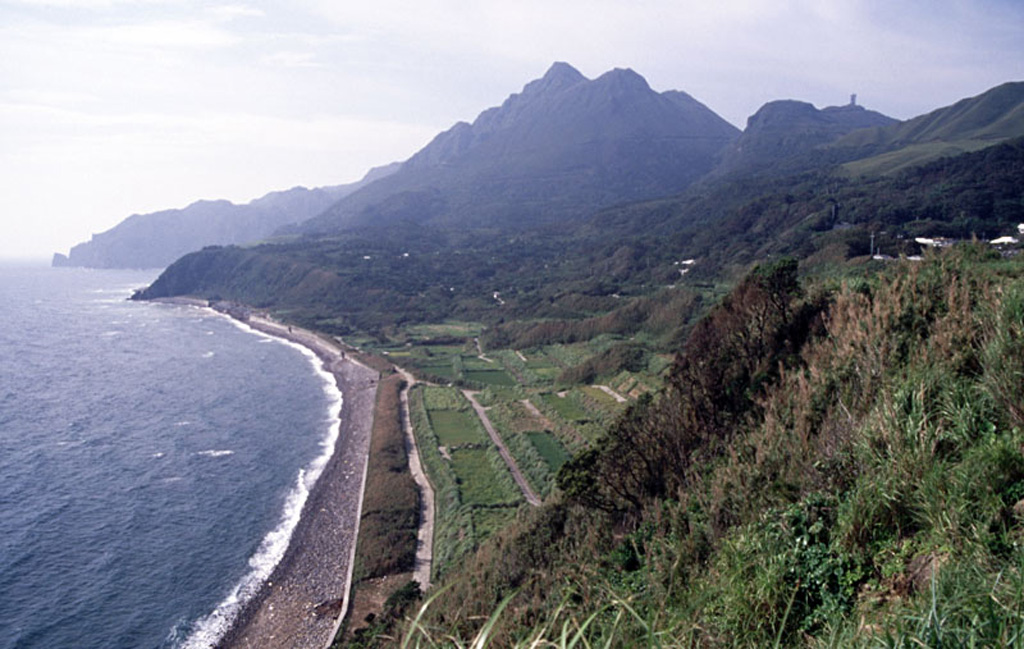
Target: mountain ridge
969 124
155 239
783 130
564 145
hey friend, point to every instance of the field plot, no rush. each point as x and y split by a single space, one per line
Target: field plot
476 494
440 369
513 421
531 369
543 367
479 482
566 407
450 329
499 378
601 397
456 427
441 352
550 449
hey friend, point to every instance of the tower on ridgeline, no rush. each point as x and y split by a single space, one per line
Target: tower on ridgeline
853 99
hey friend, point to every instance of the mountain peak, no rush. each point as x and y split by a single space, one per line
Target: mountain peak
558 77
561 148
560 70
623 79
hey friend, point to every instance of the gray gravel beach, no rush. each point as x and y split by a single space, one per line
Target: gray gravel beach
300 604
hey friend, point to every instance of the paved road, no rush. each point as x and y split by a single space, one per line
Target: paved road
425 537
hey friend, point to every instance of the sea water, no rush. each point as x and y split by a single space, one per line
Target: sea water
153 461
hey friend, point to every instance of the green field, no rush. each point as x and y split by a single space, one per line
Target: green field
478 481
450 328
548 373
538 362
455 428
600 396
489 377
443 370
550 449
443 398
437 351
477 363
565 407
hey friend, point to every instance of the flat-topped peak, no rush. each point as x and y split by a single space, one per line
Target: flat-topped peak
623 78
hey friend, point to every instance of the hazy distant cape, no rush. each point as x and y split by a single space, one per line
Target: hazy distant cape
155 240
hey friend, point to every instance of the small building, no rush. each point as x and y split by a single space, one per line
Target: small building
934 242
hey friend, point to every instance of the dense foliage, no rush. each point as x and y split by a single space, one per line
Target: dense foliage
859 480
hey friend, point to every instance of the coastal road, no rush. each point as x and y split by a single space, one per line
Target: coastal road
425 537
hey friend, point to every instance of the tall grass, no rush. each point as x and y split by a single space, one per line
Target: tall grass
868 493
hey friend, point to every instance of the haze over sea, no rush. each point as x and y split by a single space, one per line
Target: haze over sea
153 461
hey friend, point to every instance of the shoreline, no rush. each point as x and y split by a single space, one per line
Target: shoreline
304 600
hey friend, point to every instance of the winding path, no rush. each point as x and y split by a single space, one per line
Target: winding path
517 475
612 393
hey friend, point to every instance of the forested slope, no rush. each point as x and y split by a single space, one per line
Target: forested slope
836 464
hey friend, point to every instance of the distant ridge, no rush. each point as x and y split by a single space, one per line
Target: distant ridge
156 239
970 124
782 130
561 148
421 245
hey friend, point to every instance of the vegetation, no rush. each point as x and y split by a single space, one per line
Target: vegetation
821 439
390 513
390 518
858 482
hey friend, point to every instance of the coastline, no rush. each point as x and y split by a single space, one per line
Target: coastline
303 602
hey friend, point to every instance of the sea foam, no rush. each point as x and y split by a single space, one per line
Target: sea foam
209 630
215 453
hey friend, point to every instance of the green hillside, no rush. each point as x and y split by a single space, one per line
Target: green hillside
829 464
968 125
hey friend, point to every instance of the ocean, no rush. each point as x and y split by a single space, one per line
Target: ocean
153 461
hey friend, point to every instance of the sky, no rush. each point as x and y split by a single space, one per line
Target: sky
114 107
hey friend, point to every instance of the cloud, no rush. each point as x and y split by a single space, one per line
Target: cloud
41 97
174 34
70 4
233 11
293 60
